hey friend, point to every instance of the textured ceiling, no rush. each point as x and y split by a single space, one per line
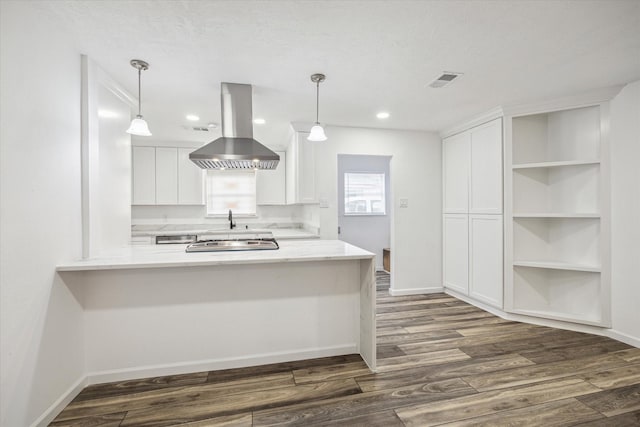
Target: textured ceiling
377 55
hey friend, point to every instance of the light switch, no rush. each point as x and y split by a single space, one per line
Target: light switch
324 203
404 203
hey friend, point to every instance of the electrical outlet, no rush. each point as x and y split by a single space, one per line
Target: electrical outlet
324 203
404 203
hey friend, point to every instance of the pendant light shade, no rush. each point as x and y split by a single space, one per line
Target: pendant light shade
317 132
139 125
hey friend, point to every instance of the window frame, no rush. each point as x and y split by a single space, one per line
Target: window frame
210 175
383 193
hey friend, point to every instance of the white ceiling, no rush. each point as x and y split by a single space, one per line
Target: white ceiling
377 55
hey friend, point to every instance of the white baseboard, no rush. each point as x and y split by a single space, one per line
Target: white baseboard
558 324
216 364
415 291
52 411
625 338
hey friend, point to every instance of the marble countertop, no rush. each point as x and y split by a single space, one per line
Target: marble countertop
161 256
278 233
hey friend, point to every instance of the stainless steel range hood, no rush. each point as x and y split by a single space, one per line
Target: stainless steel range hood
236 149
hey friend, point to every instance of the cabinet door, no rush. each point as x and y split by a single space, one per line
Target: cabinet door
456 173
166 176
189 179
486 168
485 255
143 173
271 184
456 252
306 169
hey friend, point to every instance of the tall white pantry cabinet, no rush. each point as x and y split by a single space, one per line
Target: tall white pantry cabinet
472 218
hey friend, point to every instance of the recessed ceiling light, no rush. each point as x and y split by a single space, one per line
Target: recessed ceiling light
192 117
107 114
382 115
259 121
212 125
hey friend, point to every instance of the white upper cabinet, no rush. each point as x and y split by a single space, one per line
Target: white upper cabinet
271 184
485 195
190 177
473 170
165 176
143 176
456 173
301 169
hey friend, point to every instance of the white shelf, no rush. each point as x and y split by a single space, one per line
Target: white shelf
557 266
557 189
558 293
556 215
555 164
557 315
557 136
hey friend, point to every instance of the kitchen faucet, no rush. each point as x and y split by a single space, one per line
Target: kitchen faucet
232 224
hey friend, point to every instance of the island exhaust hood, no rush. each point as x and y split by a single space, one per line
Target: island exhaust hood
236 149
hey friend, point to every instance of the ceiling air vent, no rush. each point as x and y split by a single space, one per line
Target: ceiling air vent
196 128
446 78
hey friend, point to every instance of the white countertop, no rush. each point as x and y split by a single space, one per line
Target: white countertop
278 233
161 256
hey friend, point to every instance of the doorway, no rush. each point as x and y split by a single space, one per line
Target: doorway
364 202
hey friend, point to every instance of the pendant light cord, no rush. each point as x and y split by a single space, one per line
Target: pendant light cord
139 99
317 101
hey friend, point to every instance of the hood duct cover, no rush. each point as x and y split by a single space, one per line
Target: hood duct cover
236 149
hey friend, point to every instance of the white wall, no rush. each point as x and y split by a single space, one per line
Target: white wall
42 351
625 211
416 231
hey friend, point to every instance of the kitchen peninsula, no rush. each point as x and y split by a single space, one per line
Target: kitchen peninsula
155 310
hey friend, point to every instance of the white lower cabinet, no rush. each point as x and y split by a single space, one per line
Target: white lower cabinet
485 259
473 256
456 252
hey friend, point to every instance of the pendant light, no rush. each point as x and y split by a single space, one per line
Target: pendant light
317 132
139 125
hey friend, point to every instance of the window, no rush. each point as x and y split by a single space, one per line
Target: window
235 190
364 193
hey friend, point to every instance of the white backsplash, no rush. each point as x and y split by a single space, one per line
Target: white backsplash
291 216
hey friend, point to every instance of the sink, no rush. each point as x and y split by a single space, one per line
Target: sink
233 245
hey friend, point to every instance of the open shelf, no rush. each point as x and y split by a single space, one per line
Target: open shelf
555 164
558 189
556 136
557 266
557 294
557 229
569 243
555 215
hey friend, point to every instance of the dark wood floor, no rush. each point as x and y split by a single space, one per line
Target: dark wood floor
441 362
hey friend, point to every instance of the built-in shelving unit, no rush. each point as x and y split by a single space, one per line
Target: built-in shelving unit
556 262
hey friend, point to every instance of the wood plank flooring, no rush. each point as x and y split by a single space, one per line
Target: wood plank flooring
441 362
